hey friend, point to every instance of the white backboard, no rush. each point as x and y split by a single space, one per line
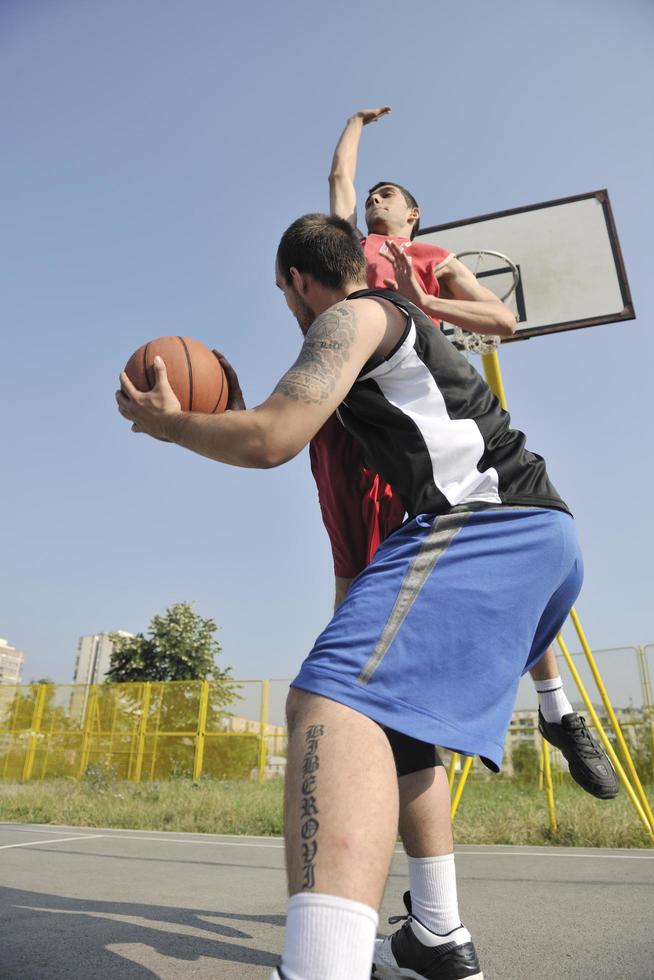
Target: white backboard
568 255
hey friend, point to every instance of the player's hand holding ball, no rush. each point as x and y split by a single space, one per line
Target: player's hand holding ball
235 400
149 411
172 375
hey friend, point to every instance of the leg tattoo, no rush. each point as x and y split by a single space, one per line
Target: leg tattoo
309 808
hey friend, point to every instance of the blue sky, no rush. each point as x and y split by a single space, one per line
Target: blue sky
154 151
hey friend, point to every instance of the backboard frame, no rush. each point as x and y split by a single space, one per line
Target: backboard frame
627 313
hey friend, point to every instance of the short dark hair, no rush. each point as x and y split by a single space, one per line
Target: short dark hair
407 195
326 247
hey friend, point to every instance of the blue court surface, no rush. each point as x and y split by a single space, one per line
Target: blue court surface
130 905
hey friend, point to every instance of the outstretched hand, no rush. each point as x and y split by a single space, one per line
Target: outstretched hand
405 281
235 400
149 411
372 115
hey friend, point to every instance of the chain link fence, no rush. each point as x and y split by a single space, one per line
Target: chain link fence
197 728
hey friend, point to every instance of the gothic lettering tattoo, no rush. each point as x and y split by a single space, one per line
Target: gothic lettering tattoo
326 349
309 810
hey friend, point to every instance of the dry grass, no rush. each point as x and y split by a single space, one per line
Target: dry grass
491 812
206 806
504 812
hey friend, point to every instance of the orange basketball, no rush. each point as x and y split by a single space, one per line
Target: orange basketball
194 372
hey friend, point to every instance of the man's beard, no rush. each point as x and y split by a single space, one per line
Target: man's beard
305 315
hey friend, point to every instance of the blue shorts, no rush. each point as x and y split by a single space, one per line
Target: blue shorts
436 632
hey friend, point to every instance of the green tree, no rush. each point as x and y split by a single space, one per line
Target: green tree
180 646
525 762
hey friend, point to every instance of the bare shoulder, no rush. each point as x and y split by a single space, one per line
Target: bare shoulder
376 309
385 318
336 345
338 323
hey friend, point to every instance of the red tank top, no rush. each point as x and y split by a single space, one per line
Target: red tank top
424 257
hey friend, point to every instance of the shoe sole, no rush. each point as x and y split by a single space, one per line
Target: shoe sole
594 789
396 972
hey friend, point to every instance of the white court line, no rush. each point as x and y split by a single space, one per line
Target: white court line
544 854
57 840
173 840
399 851
280 846
32 830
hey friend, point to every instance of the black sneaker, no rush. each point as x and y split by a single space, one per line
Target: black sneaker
588 762
416 952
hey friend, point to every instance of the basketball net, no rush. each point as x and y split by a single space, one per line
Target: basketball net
478 262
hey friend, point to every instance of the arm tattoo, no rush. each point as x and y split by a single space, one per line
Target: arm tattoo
309 811
325 350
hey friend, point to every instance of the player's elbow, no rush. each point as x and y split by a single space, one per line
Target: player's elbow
270 459
277 439
337 175
506 321
275 452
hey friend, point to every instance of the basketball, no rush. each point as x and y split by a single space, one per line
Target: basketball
194 372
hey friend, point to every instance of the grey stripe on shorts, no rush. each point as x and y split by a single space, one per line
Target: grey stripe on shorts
439 538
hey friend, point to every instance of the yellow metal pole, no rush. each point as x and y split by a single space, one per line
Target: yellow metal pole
491 363
157 726
263 727
617 765
626 754
91 708
452 769
13 731
143 725
647 695
549 788
493 374
541 768
37 717
460 786
114 718
202 730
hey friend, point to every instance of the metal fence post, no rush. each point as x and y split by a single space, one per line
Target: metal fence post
203 708
647 691
460 785
143 725
37 718
91 708
263 729
626 754
452 769
617 765
549 788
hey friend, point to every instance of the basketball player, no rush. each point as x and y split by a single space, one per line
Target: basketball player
359 508
433 635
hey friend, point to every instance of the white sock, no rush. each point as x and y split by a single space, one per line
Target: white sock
432 881
328 938
552 699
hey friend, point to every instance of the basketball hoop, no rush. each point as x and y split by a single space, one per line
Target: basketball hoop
477 343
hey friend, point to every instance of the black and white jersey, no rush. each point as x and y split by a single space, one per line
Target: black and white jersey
433 429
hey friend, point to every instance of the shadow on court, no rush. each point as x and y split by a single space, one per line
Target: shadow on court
81 904
50 936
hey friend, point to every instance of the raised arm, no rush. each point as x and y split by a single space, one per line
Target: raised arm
335 348
463 301
342 195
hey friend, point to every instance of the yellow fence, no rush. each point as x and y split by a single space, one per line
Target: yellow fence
138 731
157 730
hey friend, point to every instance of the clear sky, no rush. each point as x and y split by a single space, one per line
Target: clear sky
153 153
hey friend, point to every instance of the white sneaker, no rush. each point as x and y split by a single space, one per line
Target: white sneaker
416 953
